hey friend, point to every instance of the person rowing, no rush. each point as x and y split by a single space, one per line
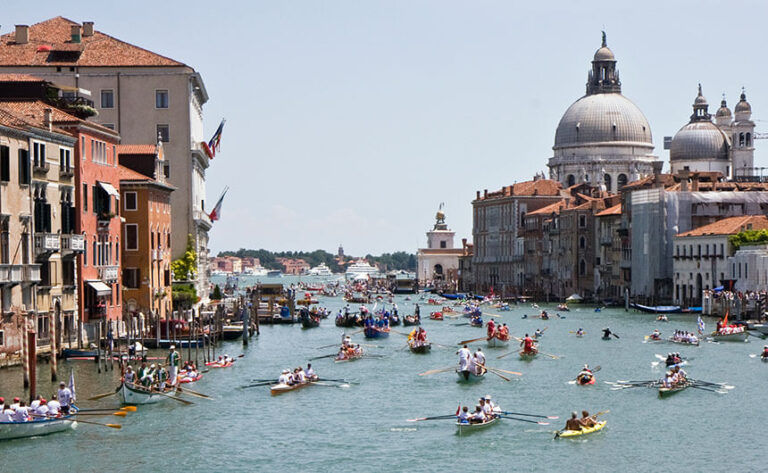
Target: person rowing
464 356
463 415
528 345
544 315
585 375
502 333
607 332
285 378
479 361
538 333
574 423
765 352
586 420
310 372
580 332
491 328
662 318
477 417
655 335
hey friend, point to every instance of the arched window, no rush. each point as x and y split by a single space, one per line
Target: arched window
522 219
582 267
741 139
621 181
438 269
607 180
571 180
749 139
582 243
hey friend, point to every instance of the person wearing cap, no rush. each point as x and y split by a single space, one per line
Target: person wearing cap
42 408
15 403
573 423
285 378
765 352
174 360
65 397
21 414
54 408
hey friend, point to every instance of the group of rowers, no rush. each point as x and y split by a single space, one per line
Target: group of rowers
484 411
673 359
298 376
675 377
418 337
497 331
348 351
471 362
153 377
574 423
685 337
19 411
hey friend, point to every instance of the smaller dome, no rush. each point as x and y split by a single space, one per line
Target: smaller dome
604 54
700 100
723 111
699 140
743 105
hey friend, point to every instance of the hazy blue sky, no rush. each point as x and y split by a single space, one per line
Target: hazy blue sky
350 121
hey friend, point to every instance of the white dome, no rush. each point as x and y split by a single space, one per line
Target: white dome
699 140
603 118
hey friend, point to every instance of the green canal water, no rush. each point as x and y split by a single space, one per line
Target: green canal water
363 428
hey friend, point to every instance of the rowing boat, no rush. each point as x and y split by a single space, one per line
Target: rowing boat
436 316
284 388
682 341
375 332
664 391
528 355
423 348
134 395
216 364
731 336
349 358
17 430
465 428
496 342
580 380
410 320
469 377
584 431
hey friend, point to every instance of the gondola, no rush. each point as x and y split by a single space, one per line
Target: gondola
411 320
423 348
375 332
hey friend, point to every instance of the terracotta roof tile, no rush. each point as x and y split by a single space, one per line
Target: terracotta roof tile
50 44
549 209
137 149
730 226
33 111
615 210
131 175
9 77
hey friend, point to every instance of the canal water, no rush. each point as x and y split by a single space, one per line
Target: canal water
362 427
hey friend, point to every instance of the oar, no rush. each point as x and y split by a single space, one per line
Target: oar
435 371
102 396
463 342
263 383
498 374
183 401
117 413
327 346
459 325
338 380
505 371
529 415
554 357
107 409
707 389
195 393
418 419
525 420
615 335
112 426
506 354
321 357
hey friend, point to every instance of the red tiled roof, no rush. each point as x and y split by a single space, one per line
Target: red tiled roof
33 111
549 209
50 44
615 210
546 187
131 175
730 226
9 77
137 149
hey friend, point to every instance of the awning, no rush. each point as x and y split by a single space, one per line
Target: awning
100 288
69 88
109 189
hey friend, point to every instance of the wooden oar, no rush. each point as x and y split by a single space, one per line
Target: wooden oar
554 357
505 354
117 413
418 419
107 409
461 324
472 340
112 426
615 335
525 420
327 346
263 383
194 393
529 415
505 371
439 370
177 399
102 396
321 357
490 370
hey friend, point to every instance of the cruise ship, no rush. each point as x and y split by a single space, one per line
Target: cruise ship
361 267
255 271
320 270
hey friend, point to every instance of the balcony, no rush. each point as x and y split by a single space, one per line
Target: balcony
73 243
201 218
47 243
40 167
108 273
11 273
104 219
32 273
66 173
606 240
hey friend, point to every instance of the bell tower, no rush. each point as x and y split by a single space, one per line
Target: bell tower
743 134
440 237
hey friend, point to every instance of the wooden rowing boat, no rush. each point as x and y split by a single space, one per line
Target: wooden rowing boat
733 336
665 392
528 355
410 320
284 388
469 377
683 342
135 396
375 332
17 430
496 342
424 348
466 428
349 358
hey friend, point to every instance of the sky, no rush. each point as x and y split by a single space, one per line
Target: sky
349 122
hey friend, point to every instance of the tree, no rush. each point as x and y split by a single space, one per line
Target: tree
216 296
185 268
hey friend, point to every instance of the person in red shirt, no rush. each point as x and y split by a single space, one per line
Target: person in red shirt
503 332
527 343
491 328
421 336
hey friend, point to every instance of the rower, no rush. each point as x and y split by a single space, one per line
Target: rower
480 359
301 374
503 332
21 413
585 373
573 423
668 382
656 334
494 408
538 333
544 315
473 367
580 332
65 397
6 414
173 360
464 356
310 373
284 378
54 408
477 417
607 332
342 355
487 408
765 352
527 344
587 420
421 337
162 377
42 409
464 415
2 404
491 328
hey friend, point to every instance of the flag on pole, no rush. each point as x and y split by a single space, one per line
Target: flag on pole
216 212
72 384
214 144
701 326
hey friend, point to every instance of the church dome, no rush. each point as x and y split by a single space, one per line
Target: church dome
723 111
603 118
743 106
699 140
604 54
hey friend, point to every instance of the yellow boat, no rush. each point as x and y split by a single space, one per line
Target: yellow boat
577 433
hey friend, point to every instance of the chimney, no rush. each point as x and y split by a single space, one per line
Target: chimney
478 195
22 34
87 28
75 29
47 122
695 182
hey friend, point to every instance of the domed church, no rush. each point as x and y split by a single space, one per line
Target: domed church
603 138
725 145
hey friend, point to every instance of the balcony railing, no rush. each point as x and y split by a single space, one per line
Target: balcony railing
606 240
66 172
42 167
11 273
201 218
47 243
75 242
108 273
31 273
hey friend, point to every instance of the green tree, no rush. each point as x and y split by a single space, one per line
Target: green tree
185 268
216 295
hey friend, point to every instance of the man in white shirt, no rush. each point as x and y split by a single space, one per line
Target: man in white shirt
284 378
464 415
464 356
42 409
480 358
2 404
21 414
15 404
310 373
65 397
6 415
53 407
487 409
